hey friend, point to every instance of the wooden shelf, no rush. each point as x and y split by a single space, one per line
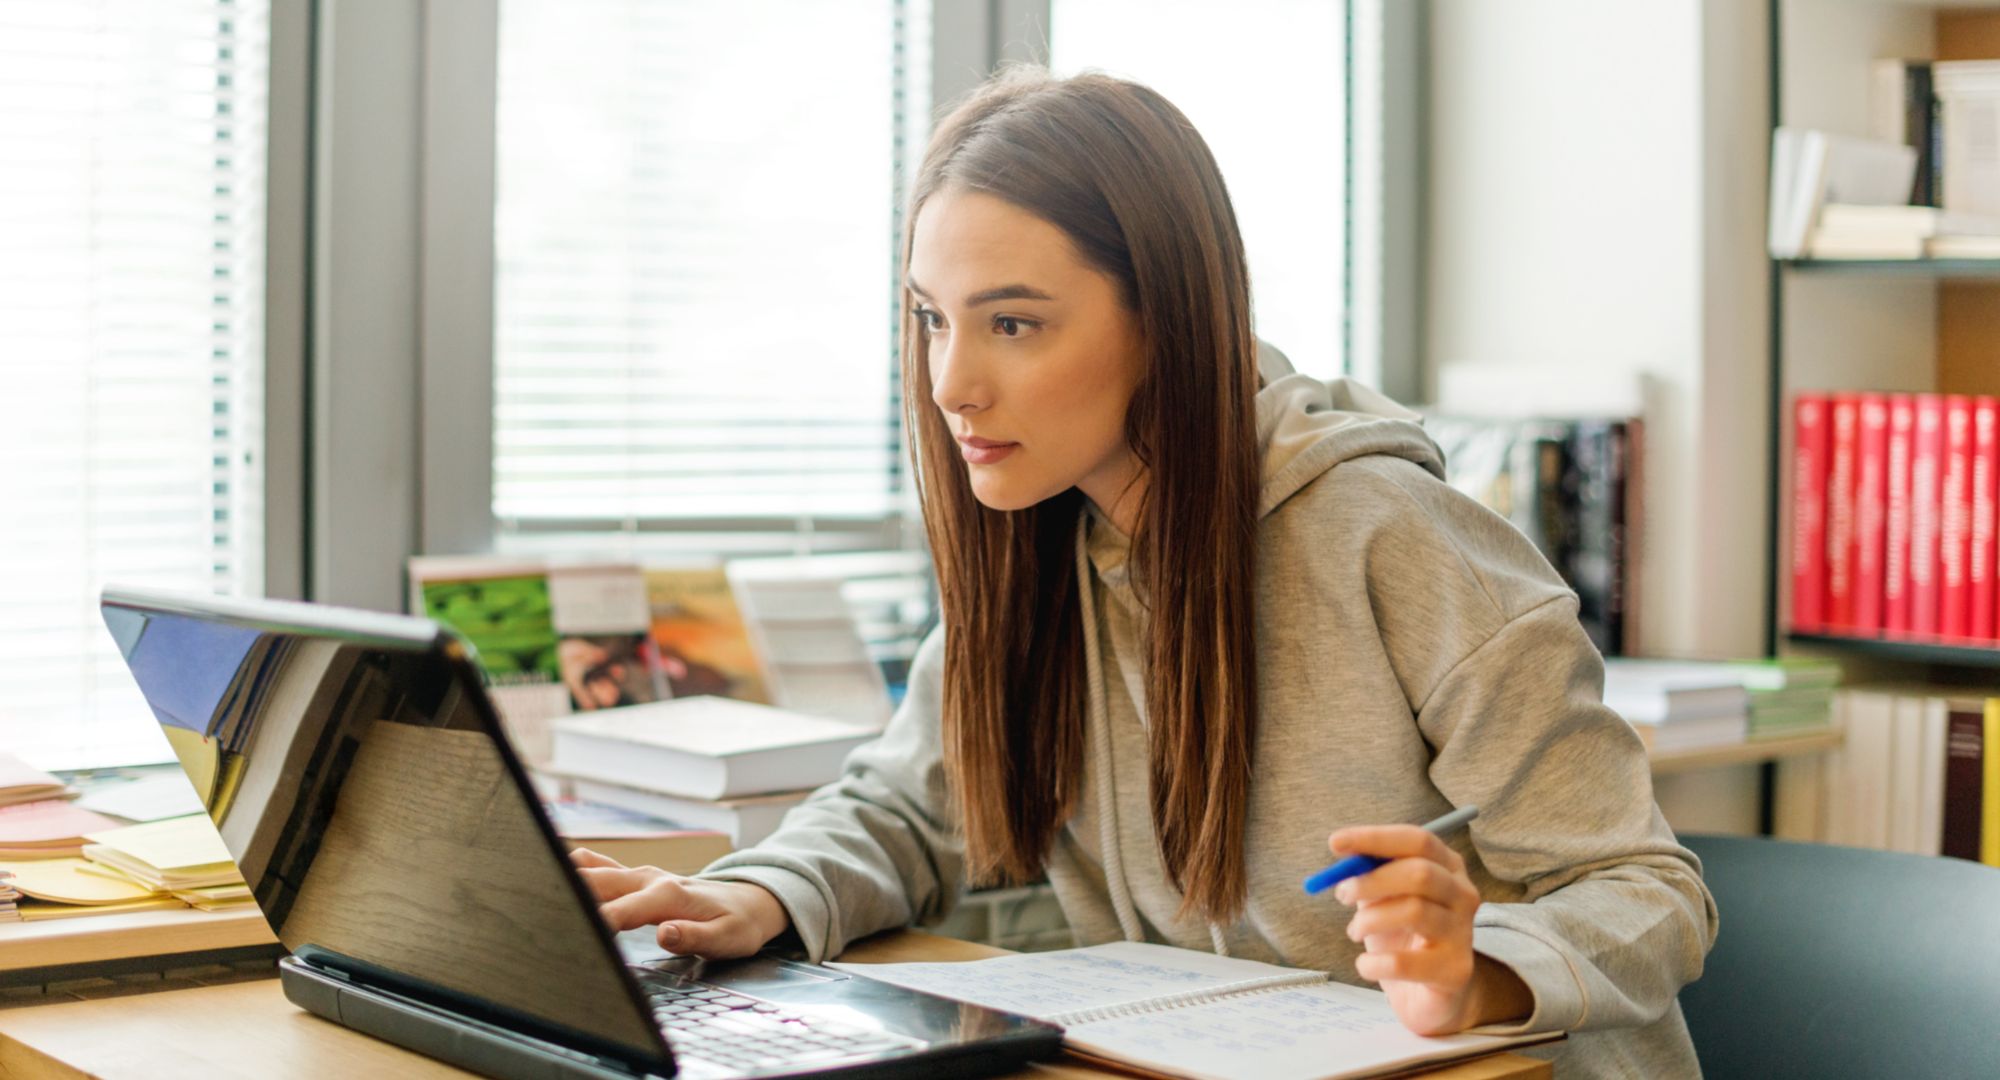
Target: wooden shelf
74 943
1746 753
1919 652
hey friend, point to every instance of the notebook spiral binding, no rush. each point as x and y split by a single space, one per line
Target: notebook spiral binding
1262 984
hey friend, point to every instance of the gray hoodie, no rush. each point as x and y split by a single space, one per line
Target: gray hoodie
1417 653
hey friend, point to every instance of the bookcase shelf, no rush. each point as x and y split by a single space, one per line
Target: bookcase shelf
1972 269
1917 652
1751 752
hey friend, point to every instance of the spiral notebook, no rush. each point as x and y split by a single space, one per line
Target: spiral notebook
1180 1012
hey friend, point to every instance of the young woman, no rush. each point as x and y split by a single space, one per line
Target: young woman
1203 632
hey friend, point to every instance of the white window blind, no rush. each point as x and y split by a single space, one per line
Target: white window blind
695 245
1265 83
131 343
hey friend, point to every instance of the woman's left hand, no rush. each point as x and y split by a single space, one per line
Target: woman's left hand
1415 920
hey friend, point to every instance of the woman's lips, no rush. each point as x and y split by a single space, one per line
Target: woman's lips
985 451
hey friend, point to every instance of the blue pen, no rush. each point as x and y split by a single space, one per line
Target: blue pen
1357 865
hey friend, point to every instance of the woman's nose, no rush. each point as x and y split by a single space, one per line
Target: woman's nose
955 383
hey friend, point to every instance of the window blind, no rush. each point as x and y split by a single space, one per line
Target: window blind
131 342
695 240
1268 93
697 212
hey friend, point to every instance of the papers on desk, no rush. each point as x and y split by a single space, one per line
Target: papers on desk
1192 1014
48 829
23 783
161 864
146 798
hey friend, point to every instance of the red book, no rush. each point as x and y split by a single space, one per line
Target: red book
1809 437
1845 417
1871 474
1980 577
1896 551
1926 472
1955 520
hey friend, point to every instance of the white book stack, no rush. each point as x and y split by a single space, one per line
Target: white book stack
1678 705
703 748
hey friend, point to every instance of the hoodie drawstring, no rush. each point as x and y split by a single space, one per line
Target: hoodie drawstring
1098 720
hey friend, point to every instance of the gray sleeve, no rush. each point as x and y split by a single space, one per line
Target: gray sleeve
877 848
1613 918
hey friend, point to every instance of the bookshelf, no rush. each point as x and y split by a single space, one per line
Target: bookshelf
1914 325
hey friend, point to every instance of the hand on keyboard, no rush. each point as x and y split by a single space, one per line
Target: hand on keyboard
712 919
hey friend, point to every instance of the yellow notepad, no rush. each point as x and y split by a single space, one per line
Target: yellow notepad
183 852
67 881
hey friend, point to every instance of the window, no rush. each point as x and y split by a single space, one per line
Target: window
695 244
1265 83
131 342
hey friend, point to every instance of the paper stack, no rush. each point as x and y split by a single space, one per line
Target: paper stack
23 783
183 857
49 829
62 888
8 895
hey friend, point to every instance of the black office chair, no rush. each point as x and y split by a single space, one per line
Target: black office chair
1839 962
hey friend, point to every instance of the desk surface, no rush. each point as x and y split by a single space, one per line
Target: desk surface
191 1031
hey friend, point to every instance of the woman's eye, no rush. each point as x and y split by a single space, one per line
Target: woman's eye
929 320
1009 325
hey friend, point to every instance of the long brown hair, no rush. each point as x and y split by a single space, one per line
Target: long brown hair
1120 171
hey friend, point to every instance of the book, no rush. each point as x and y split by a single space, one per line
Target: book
1810 169
1845 417
1955 519
1964 779
1903 109
1926 490
703 639
1810 431
1192 1014
706 747
1672 691
1979 575
636 838
744 821
1968 93
1871 472
1896 545
71 881
1989 795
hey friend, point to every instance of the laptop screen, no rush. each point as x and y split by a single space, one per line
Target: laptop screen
353 766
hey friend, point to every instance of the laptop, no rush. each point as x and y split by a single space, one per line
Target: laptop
358 774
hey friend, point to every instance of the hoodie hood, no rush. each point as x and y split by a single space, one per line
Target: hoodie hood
1306 426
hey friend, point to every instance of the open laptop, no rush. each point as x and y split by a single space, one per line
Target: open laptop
358 774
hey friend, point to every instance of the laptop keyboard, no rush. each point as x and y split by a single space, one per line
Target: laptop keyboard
725 1034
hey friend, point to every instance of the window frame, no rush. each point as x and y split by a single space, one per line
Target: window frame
394 371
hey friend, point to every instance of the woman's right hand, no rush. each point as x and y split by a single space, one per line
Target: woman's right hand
715 920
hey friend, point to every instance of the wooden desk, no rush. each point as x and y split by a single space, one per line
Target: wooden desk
53 949
246 1029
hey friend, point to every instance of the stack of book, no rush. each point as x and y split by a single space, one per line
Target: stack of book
704 762
1790 696
1678 705
1916 772
1894 505
1575 489
556 640
1902 232
8 896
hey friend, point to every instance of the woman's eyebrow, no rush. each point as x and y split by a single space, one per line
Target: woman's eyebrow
988 296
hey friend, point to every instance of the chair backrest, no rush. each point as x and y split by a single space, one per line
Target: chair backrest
1834 961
